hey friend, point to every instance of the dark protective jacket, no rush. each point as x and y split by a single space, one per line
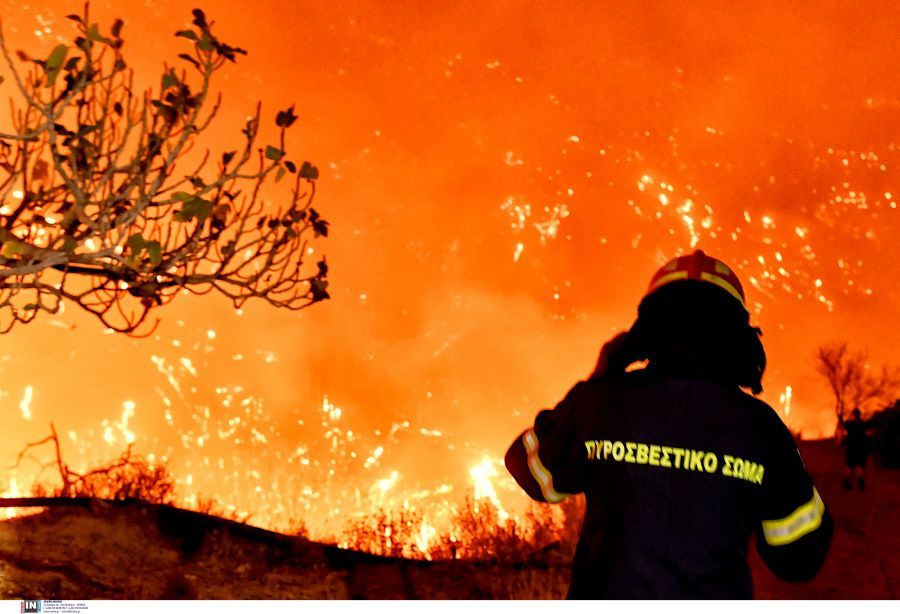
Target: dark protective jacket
678 472
857 442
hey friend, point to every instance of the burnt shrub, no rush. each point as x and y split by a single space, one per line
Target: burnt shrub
885 426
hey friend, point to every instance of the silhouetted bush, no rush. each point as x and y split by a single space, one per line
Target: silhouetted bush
129 479
886 435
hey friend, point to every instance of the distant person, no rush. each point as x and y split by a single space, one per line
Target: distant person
858 446
679 466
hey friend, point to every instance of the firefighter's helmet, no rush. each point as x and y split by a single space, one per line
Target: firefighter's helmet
700 267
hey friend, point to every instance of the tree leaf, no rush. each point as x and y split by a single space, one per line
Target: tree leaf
154 250
273 153
280 175
13 247
93 33
188 58
190 34
169 79
318 289
308 171
320 228
197 207
117 28
55 63
86 129
205 43
57 56
200 19
30 307
284 119
229 52
136 243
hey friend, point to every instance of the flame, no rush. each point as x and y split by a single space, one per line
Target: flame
785 400
25 403
385 484
484 489
12 492
127 414
425 538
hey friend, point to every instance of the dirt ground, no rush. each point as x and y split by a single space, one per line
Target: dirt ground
135 551
864 560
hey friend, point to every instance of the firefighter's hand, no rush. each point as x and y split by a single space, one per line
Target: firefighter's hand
610 356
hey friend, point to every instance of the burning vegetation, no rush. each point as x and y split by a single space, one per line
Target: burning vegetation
477 528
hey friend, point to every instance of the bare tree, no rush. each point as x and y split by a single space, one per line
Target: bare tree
854 384
95 211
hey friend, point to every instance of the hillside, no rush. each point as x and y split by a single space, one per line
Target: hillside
137 551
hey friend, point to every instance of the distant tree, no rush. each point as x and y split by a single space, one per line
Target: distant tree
95 211
854 384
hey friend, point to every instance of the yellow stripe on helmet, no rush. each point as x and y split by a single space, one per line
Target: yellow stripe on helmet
722 268
723 284
668 277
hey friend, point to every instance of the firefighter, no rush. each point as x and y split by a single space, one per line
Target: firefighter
678 465
858 445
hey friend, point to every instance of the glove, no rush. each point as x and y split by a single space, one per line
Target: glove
613 357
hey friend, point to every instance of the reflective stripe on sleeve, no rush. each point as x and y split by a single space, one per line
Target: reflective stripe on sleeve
538 471
805 519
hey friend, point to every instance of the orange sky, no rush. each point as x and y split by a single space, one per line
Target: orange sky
432 125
